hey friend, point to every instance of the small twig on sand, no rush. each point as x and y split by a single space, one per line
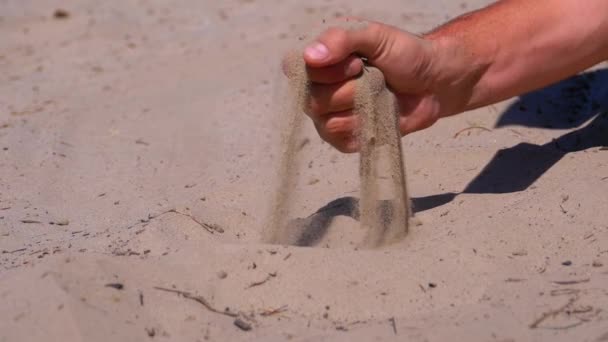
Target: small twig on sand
470 128
258 283
394 324
199 299
552 313
562 292
270 312
571 282
567 326
14 251
211 228
303 143
30 221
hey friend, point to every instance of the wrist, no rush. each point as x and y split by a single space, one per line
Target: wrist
457 72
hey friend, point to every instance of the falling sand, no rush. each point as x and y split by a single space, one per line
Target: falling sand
384 204
299 85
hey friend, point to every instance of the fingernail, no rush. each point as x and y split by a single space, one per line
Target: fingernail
317 51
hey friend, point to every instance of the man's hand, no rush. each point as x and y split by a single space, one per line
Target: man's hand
480 58
425 91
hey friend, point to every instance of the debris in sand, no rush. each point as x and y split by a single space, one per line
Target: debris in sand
60 222
571 282
514 280
210 227
258 283
142 142
61 14
270 312
552 313
597 263
117 286
30 221
199 299
151 332
393 324
303 143
566 292
520 252
14 251
242 324
470 128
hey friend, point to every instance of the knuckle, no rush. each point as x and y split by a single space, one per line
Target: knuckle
337 35
336 126
336 32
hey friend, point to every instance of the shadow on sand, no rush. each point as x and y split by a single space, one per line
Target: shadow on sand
565 105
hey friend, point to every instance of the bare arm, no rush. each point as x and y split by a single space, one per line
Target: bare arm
506 49
521 45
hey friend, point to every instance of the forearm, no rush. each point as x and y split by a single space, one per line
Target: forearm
515 46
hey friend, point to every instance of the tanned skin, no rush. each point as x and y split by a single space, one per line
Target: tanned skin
479 58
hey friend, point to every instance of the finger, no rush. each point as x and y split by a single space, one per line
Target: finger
346 142
330 98
339 72
335 44
341 123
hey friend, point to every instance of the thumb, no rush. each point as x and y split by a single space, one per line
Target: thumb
366 39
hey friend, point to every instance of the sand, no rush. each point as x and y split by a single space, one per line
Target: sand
384 205
124 110
277 230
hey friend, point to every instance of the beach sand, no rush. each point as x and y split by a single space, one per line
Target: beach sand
138 158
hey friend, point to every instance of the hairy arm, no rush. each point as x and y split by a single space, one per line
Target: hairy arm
515 46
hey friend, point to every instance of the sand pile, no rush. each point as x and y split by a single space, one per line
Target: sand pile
384 205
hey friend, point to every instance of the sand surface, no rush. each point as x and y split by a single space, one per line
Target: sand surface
138 149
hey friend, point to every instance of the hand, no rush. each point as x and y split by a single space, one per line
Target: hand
412 69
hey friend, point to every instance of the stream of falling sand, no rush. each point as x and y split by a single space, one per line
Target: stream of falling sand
384 204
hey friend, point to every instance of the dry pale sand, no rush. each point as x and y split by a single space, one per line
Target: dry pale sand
146 132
